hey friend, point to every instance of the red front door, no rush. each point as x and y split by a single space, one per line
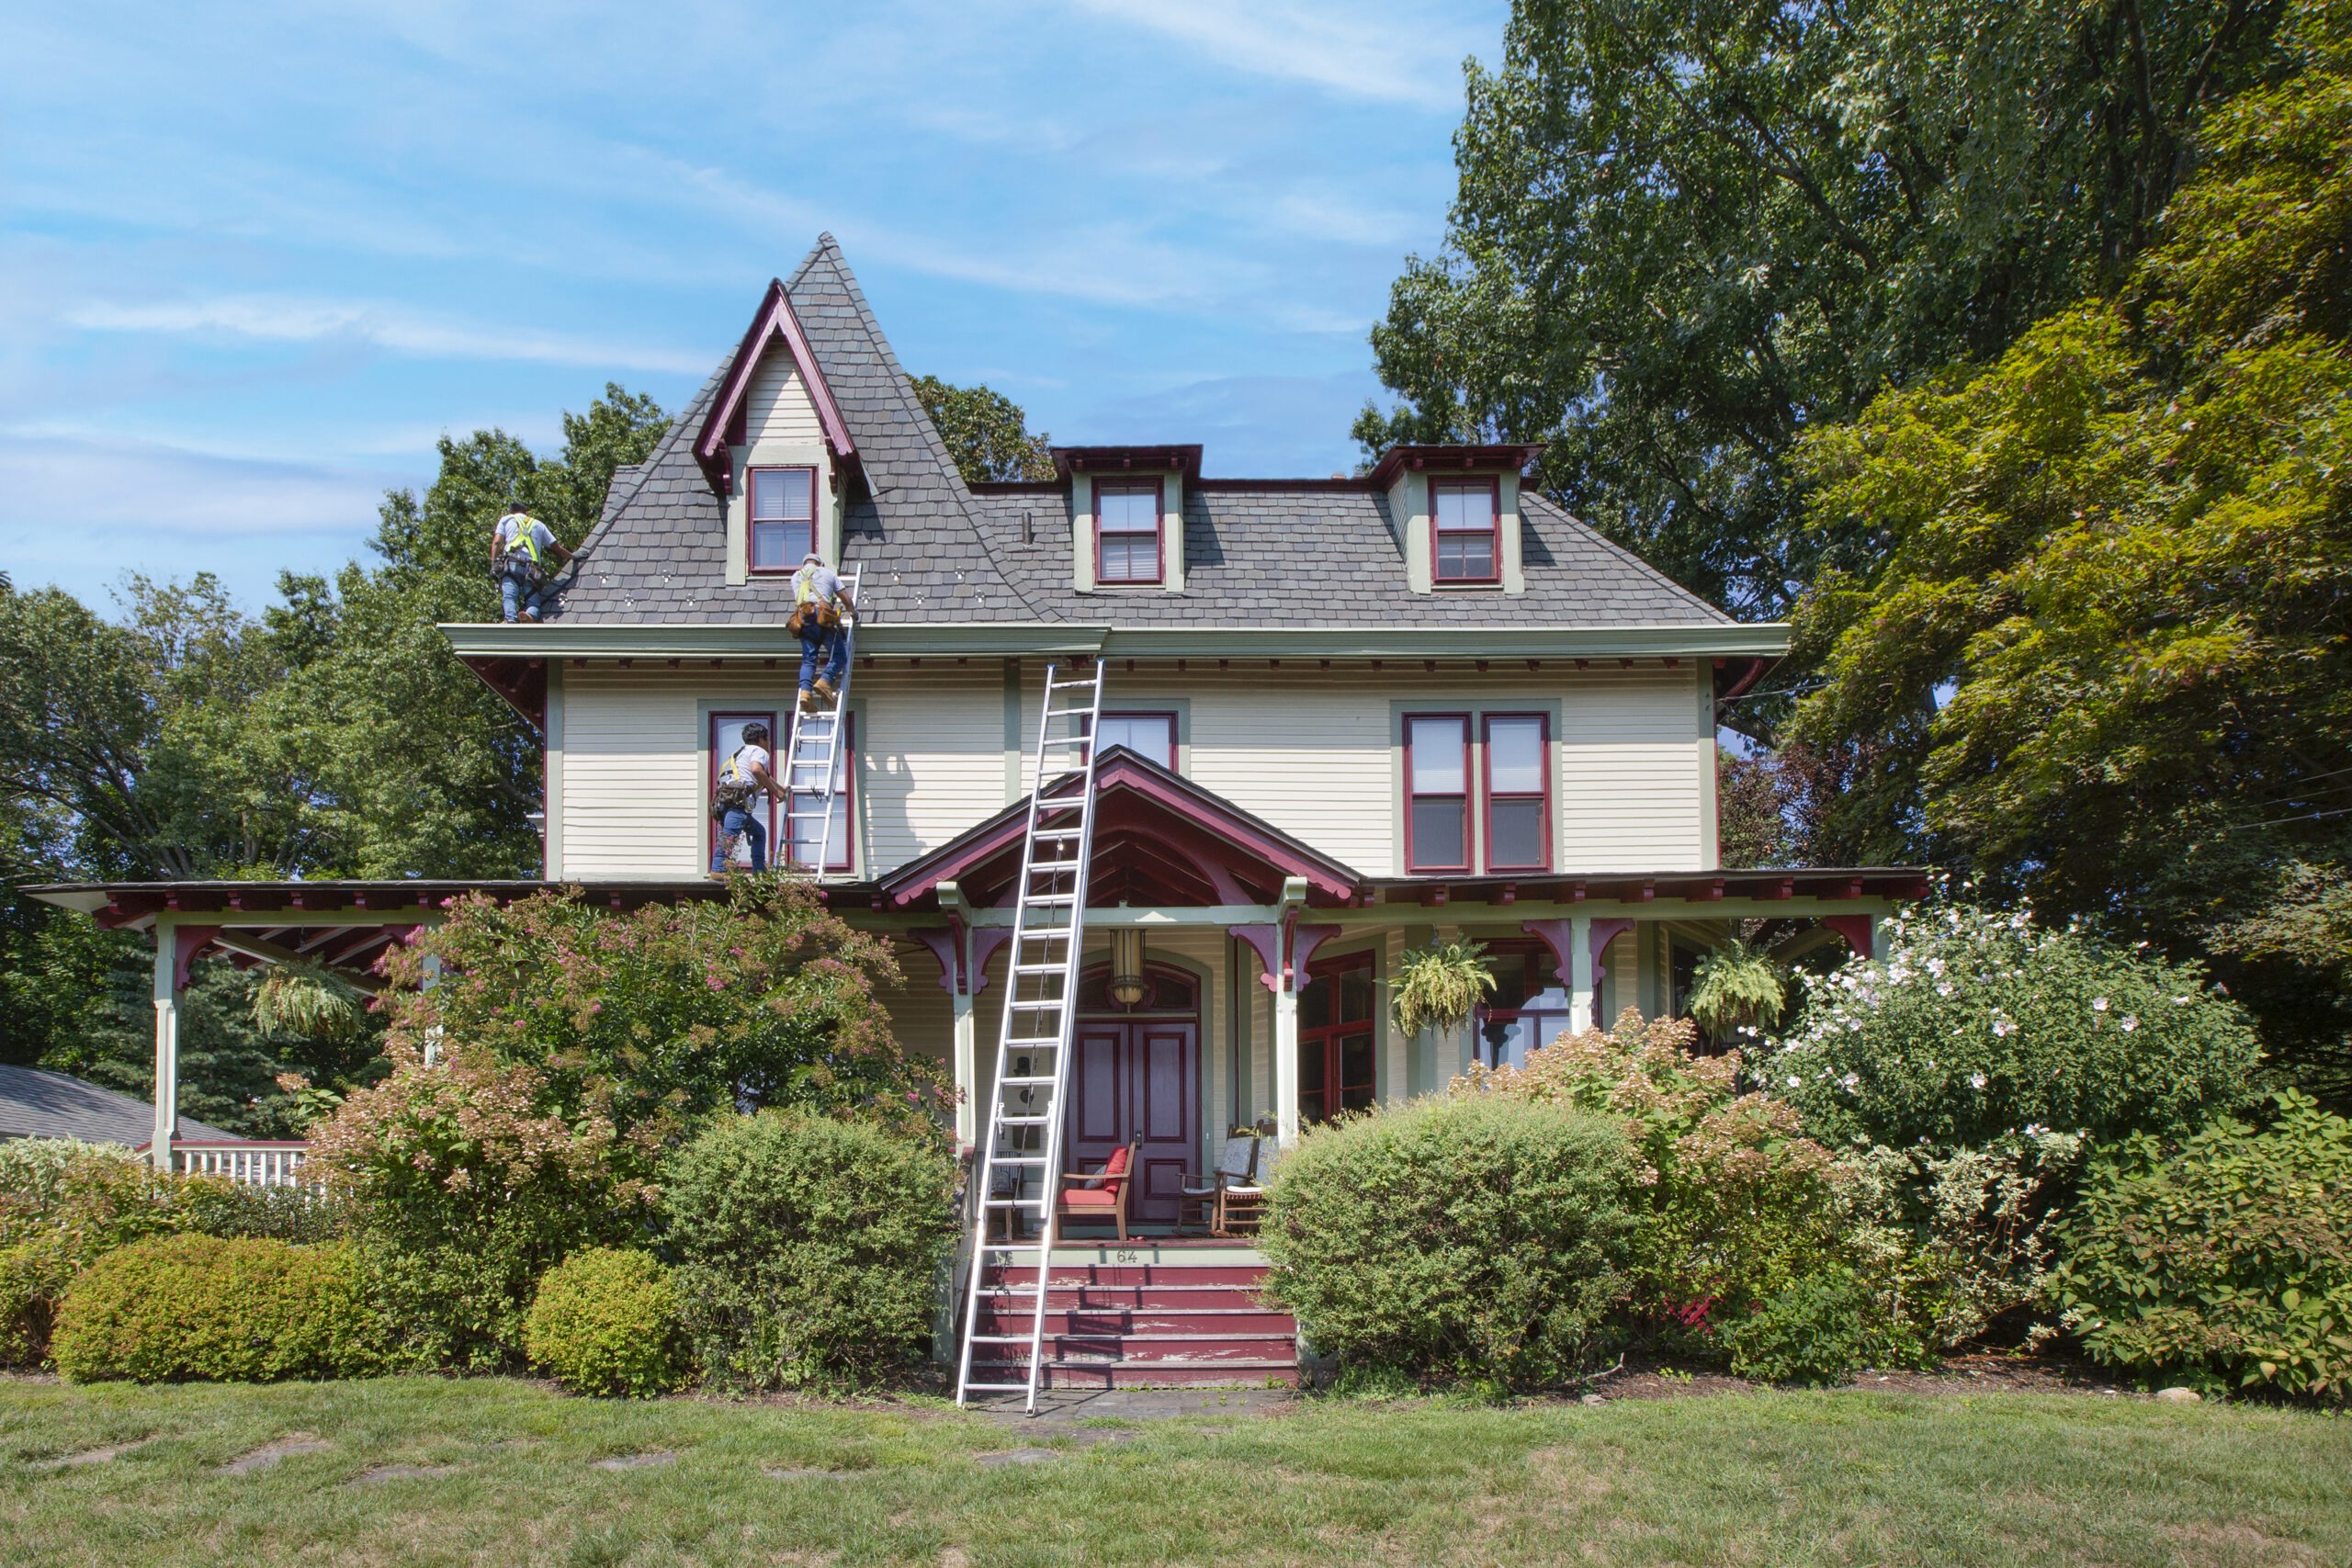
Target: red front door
1138 1078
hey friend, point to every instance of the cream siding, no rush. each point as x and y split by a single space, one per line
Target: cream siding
778 408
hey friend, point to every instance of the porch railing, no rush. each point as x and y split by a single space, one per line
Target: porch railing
248 1165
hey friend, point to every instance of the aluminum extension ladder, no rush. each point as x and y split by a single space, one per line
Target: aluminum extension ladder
812 764
1021 1156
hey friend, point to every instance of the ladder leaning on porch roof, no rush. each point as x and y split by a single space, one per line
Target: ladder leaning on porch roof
1023 1141
812 763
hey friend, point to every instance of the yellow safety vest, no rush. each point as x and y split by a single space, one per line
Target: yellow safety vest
525 543
804 586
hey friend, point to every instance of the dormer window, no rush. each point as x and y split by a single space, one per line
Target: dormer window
1463 513
1127 531
784 518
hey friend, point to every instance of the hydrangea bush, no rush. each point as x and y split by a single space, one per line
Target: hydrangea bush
1981 1027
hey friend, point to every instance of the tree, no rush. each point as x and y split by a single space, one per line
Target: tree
2103 658
986 432
1684 235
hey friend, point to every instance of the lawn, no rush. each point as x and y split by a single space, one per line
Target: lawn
1797 1478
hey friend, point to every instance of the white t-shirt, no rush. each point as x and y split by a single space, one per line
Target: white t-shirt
750 758
510 528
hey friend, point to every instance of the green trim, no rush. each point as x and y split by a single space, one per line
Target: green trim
1003 639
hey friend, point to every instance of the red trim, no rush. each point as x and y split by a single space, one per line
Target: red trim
847 795
774 318
1455 459
751 522
1469 850
1494 489
1542 792
1327 1038
712 761
1158 531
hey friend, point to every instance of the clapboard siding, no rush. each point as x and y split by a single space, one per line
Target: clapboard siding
778 406
1315 753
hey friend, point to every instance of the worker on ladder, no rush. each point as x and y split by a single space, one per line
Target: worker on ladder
735 801
821 617
519 547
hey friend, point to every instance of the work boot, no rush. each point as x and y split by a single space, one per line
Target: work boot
825 691
808 700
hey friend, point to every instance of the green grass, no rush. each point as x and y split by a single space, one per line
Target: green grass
1777 1478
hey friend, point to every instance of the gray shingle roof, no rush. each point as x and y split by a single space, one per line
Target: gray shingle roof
934 552
35 1104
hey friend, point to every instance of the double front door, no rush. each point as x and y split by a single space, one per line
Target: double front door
1138 1078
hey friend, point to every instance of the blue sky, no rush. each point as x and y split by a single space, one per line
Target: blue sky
253 259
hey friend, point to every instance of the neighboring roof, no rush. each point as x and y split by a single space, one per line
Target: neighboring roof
35 1104
1275 553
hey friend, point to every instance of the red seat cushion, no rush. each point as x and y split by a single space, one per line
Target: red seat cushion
1083 1198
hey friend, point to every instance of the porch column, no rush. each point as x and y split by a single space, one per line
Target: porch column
167 1043
1286 1065
968 1071
1579 974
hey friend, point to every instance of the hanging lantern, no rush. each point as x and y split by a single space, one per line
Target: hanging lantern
1127 964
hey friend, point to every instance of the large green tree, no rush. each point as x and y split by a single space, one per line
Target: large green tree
2103 649
986 433
1689 230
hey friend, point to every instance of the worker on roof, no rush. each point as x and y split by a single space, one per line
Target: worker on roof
822 617
519 548
736 801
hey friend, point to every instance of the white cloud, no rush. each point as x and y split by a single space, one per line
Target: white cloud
55 487
1343 48
388 327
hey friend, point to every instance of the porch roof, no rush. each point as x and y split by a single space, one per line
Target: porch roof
1159 839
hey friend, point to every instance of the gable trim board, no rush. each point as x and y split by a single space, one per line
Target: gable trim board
775 318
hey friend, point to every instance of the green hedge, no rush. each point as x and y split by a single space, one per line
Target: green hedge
1483 1238
199 1307
605 1321
2227 1258
807 1248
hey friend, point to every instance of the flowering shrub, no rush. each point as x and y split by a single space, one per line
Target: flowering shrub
464 1180
65 1204
1480 1238
808 1247
1979 1026
606 1322
1736 1201
762 1001
2228 1254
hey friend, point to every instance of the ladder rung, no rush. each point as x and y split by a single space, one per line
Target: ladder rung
1012 1247
998 1339
996 1160
1040 968
996 1387
1022 1121
1047 1080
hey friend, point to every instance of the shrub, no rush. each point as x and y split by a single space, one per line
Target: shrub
63 1205
462 1182
1816 1330
1978 1027
195 1306
606 1322
2228 1255
808 1247
1478 1237
304 1215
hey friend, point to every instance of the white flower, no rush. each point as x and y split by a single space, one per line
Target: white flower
1936 966
1850 1080
2182 1002
2129 1024
1977 1080
1795 1082
2001 1027
2099 1004
1944 990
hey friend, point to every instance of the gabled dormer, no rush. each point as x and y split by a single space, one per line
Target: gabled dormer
1127 507
1456 514
774 447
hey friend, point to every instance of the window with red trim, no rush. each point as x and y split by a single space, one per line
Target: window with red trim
1337 1058
1127 531
784 518
1437 792
1151 734
725 740
1463 517
1518 778
803 830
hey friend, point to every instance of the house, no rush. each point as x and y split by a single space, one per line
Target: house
36 1104
1343 718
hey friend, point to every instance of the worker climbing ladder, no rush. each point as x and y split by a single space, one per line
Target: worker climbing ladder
1019 1172
813 767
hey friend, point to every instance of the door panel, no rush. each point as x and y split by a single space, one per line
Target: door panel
1139 1079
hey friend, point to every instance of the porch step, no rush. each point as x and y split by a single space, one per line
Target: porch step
1135 1316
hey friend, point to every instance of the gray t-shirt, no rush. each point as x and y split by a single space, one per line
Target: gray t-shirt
821 580
513 527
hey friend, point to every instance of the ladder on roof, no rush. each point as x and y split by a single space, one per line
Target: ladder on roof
1019 1174
814 765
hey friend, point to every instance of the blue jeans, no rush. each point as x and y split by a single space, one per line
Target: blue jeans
825 646
746 821
518 592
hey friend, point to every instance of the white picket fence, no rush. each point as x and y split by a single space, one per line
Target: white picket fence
248 1165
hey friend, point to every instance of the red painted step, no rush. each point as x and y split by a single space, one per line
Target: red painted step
1155 1320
